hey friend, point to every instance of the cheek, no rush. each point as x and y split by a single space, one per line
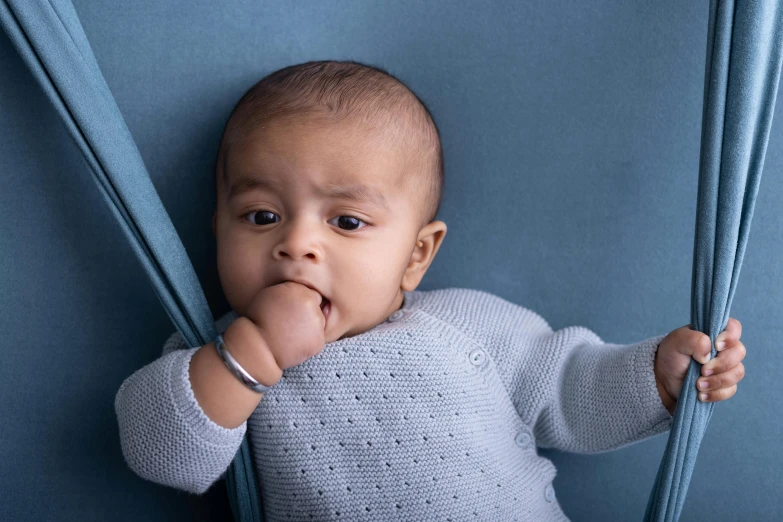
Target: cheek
240 273
376 269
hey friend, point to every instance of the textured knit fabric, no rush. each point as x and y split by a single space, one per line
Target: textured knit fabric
434 414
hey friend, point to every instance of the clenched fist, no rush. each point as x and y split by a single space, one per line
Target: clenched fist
720 374
289 318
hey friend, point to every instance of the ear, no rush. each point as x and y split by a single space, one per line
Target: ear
214 221
427 244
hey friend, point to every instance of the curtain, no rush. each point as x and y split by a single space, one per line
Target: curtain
51 41
740 86
741 80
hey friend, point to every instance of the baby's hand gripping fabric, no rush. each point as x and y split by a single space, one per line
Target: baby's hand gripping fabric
165 436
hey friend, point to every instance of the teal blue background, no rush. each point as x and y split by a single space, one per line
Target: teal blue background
571 136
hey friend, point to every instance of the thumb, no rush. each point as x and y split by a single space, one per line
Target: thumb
687 344
700 346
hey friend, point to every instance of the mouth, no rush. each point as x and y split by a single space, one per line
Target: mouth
326 307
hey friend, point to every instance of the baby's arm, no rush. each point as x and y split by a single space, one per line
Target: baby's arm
597 397
165 435
576 392
222 397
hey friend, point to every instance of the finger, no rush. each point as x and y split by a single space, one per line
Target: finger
695 344
692 343
725 360
721 380
718 395
730 335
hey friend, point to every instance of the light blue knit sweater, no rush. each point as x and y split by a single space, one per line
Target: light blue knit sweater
434 414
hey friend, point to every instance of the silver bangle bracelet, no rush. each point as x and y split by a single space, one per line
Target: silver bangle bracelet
234 367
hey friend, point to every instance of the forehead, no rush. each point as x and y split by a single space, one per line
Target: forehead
353 190
336 160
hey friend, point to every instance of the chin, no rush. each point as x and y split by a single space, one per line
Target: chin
345 336
350 333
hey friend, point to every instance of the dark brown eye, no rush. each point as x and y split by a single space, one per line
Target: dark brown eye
262 217
353 223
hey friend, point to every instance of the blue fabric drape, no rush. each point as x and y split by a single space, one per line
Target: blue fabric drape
741 81
740 87
50 39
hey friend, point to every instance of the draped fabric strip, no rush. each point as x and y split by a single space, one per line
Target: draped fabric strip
741 80
740 87
50 39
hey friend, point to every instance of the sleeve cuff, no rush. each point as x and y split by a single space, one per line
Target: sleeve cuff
651 408
189 409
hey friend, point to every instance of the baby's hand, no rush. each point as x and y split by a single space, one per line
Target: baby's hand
720 375
290 320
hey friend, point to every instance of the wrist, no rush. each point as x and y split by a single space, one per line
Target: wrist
249 348
668 402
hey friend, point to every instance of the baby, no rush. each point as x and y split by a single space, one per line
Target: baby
379 401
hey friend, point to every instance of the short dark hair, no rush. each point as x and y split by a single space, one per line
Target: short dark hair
338 89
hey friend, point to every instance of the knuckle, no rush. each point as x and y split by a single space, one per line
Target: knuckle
740 371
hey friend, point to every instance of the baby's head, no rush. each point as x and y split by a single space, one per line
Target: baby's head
329 173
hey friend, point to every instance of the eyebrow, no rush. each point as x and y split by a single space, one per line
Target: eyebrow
353 191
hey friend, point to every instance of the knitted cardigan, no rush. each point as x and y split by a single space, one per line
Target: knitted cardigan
434 414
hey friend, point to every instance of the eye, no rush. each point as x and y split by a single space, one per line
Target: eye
264 216
350 221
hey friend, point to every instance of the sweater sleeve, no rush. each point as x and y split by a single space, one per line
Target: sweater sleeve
597 397
165 436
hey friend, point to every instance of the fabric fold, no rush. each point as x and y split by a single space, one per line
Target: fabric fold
740 87
50 39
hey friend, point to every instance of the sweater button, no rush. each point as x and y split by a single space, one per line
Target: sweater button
549 493
477 357
523 439
397 314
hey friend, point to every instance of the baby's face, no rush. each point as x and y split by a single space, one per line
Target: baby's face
318 202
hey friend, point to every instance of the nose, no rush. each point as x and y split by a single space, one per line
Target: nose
299 240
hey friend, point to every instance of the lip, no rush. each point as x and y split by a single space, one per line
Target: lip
303 282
